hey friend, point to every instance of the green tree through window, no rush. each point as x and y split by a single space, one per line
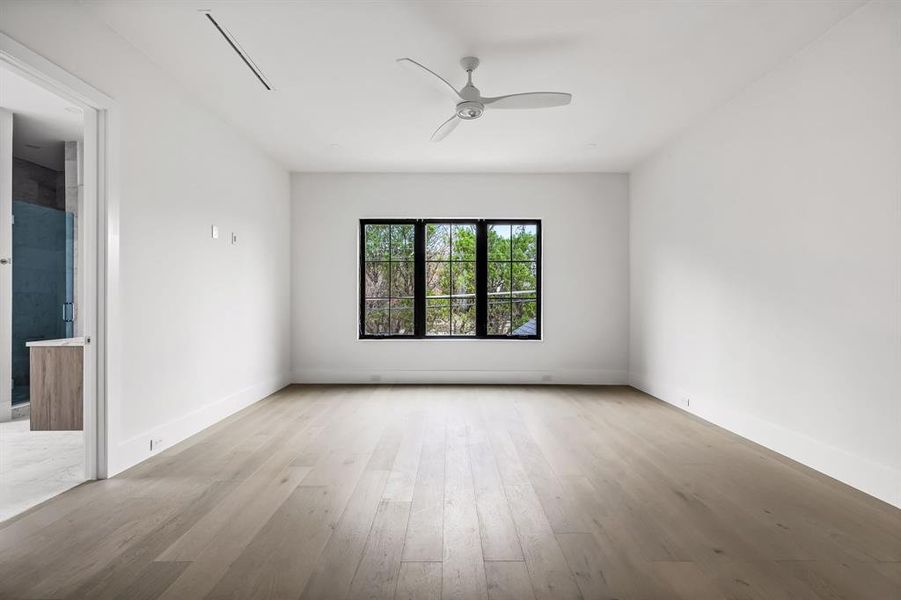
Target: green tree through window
512 277
389 279
450 279
450 276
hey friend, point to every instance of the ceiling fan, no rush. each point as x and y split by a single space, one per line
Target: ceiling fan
472 104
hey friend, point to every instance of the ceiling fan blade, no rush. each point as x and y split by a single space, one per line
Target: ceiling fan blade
420 67
446 128
529 100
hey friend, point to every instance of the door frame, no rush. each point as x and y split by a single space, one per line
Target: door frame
99 260
6 272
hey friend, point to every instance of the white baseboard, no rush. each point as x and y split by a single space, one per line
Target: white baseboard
876 479
568 376
137 449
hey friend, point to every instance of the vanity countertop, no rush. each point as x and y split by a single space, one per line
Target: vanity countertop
75 341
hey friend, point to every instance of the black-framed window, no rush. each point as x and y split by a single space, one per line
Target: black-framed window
450 278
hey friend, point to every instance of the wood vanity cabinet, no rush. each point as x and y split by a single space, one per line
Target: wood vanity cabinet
57 378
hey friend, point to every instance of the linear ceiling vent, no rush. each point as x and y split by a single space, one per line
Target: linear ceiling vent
237 48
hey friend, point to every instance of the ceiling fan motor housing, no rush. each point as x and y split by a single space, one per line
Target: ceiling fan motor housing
470 110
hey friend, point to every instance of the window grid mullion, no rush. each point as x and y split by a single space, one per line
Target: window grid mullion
390 268
450 279
510 302
481 279
419 283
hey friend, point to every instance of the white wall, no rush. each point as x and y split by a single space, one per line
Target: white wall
205 324
585 283
766 259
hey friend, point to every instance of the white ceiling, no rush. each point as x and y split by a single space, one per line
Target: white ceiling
42 121
640 72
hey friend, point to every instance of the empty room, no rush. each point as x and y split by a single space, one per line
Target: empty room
461 300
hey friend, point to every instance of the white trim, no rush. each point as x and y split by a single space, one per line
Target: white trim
876 479
90 296
6 271
99 226
50 76
463 376
137 448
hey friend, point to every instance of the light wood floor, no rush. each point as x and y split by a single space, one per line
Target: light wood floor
458 492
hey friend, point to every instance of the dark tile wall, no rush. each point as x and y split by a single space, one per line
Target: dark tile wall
38 185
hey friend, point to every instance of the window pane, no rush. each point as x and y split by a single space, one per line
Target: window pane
498 279
402 280
524 279
499 242
401 318
376 238
464 279
437 241
499 318
437 317
375 321
464 242
402 245
463 315
376 279
525 242
524 321
437 279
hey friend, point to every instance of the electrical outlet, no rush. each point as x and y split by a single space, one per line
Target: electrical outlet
234 239
155 444
214 232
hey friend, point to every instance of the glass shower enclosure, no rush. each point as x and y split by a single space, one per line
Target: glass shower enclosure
43 283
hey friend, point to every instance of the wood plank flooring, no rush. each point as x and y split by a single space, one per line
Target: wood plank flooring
458 492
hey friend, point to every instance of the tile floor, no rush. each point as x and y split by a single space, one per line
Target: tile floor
36 465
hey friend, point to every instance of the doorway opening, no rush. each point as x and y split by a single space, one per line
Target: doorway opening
54 246
41 407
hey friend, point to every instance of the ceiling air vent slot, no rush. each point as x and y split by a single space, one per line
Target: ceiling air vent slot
239 50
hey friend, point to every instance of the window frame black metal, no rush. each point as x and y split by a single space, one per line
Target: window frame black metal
419 266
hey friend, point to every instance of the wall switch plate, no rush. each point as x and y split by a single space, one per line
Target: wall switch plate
234 239
155 444
214 232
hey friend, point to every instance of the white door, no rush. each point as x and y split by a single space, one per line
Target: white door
6 268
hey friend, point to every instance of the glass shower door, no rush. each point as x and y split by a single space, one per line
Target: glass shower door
43 284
